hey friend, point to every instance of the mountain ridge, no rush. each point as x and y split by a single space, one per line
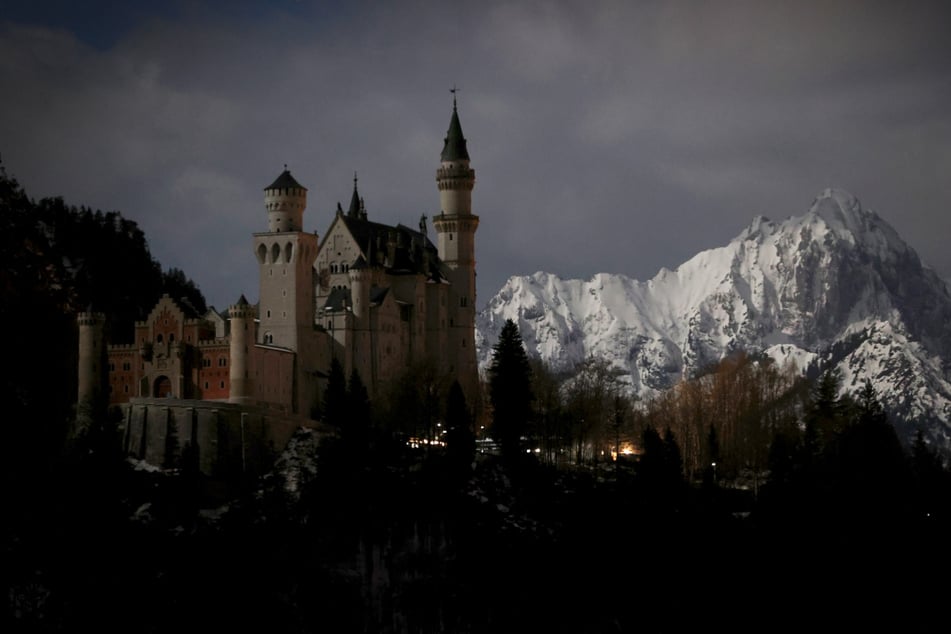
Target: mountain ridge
836 284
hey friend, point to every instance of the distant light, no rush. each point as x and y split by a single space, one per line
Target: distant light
538 450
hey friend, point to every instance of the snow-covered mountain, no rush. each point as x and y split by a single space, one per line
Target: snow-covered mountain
835 285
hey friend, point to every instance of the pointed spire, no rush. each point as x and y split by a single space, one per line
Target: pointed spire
354 210
454 146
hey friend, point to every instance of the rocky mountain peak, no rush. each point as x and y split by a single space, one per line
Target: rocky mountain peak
835 285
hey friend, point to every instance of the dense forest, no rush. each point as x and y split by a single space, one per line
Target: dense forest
748 498
57 260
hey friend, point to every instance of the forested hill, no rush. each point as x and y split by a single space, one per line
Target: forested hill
57 260
73 258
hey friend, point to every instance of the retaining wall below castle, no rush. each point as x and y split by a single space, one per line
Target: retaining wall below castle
230 440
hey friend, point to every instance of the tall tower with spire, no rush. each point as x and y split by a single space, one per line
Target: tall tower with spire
455 227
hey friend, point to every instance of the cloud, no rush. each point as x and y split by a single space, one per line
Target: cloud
609 136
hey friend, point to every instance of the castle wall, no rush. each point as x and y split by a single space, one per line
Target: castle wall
273 371
230 439
213 374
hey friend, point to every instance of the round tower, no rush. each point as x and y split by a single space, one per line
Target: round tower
91 348
455 227
242 337
359 275
285 200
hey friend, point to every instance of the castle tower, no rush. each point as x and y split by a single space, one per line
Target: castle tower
91 358
285 254
242 338
361 350
455 226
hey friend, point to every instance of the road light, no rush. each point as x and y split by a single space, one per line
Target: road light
714 465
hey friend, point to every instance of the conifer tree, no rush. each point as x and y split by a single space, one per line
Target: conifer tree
459 437
510 389
335 395
356 428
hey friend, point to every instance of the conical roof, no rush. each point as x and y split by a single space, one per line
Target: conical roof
285 181
454 146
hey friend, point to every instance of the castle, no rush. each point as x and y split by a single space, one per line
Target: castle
375 297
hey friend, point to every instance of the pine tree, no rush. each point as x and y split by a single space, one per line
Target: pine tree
510 389
335 395
356 427
459 437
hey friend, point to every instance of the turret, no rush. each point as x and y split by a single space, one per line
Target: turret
455 227
359 275
454 177
242 338
91 358
285 200
286 255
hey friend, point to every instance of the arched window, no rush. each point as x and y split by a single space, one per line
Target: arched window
275 253
171 337
288 252
158 338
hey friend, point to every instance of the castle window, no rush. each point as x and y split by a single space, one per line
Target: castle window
126 366
125 388
222 362
206 385
171 337
463 302
450 237
268 314
159 338
268 338
112 366
222 385
206 363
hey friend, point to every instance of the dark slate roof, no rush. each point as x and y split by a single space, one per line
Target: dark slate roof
454 146
413 249
378 294
285 181
242 301
338 299
360 264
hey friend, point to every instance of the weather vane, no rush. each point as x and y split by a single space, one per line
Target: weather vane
454 90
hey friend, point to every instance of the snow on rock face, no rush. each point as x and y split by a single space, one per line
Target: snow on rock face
836 284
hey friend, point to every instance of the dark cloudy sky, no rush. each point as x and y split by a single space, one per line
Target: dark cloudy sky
606 136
